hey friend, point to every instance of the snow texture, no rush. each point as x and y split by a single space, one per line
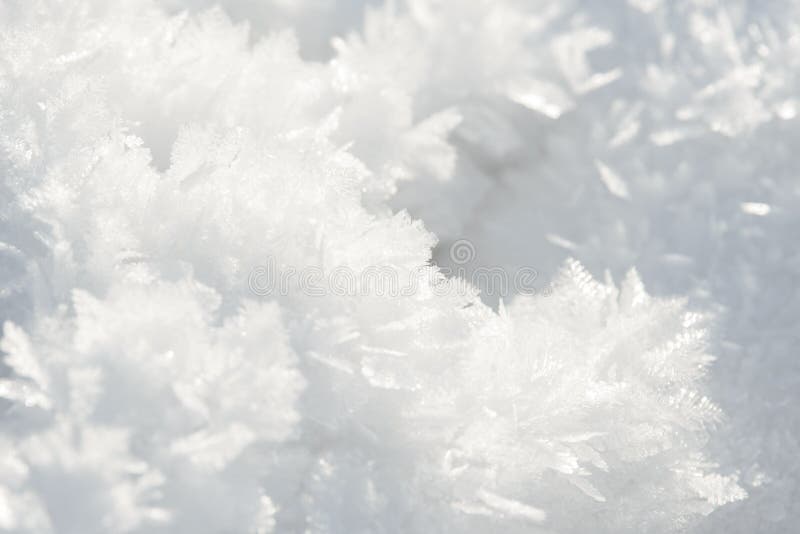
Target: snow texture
637 157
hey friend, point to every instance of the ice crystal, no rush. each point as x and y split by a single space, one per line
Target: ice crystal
158 157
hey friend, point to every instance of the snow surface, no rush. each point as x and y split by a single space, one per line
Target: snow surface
164 162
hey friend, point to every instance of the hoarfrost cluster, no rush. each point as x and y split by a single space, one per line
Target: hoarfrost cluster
155 153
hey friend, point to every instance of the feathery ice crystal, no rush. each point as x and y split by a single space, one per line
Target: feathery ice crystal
153 156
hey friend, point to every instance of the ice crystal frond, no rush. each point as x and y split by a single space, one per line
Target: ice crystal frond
567 393
148 377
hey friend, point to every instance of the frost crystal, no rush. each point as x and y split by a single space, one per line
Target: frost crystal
186 184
